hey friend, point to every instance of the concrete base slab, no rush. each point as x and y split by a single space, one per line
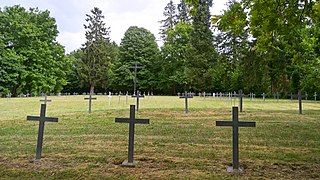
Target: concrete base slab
231 170
129 164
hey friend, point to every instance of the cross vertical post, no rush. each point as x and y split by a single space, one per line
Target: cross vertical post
300 101
315 96
127 98
138 94
240 100
186 101
135 67
131 134
235 139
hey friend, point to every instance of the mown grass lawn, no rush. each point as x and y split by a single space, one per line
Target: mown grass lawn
284 145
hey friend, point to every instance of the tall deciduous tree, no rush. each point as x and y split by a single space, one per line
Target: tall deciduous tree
173 76
276 25
99 52
31 59
137 46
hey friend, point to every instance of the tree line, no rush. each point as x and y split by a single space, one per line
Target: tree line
258 46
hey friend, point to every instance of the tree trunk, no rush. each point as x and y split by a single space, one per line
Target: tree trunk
91 89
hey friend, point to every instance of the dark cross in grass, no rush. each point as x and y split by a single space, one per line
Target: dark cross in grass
90 101
41 120
132 121
240 95
138 96
300 101
235 137
45 100
135 67
186 96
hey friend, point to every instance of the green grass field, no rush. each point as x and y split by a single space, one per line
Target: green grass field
284 145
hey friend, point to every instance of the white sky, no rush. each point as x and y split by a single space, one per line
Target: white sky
119 15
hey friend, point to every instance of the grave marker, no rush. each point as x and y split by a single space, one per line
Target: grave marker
235 137
127 98
240 99
315 96
45 100
186 96
90 101
300 101
132 121
135 67
138 97
109 99
41 120
119 97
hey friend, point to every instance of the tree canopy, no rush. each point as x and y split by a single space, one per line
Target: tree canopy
31 60
258 46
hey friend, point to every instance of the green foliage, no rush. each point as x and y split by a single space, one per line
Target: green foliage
98 52
275 25
138 45
174 58
31 59
200 51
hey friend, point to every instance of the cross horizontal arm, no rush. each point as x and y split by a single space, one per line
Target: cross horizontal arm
90 98
48 119
224 123
185 97
136 121
134 67
247 124
139 96
240 124
45 100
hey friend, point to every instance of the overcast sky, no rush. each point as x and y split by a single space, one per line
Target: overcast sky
119 15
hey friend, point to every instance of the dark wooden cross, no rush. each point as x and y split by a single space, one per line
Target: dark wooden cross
300 101
127 98
135 67
90 101
132 121
186 96
45 100
138 96
235 136
240 95
41 120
